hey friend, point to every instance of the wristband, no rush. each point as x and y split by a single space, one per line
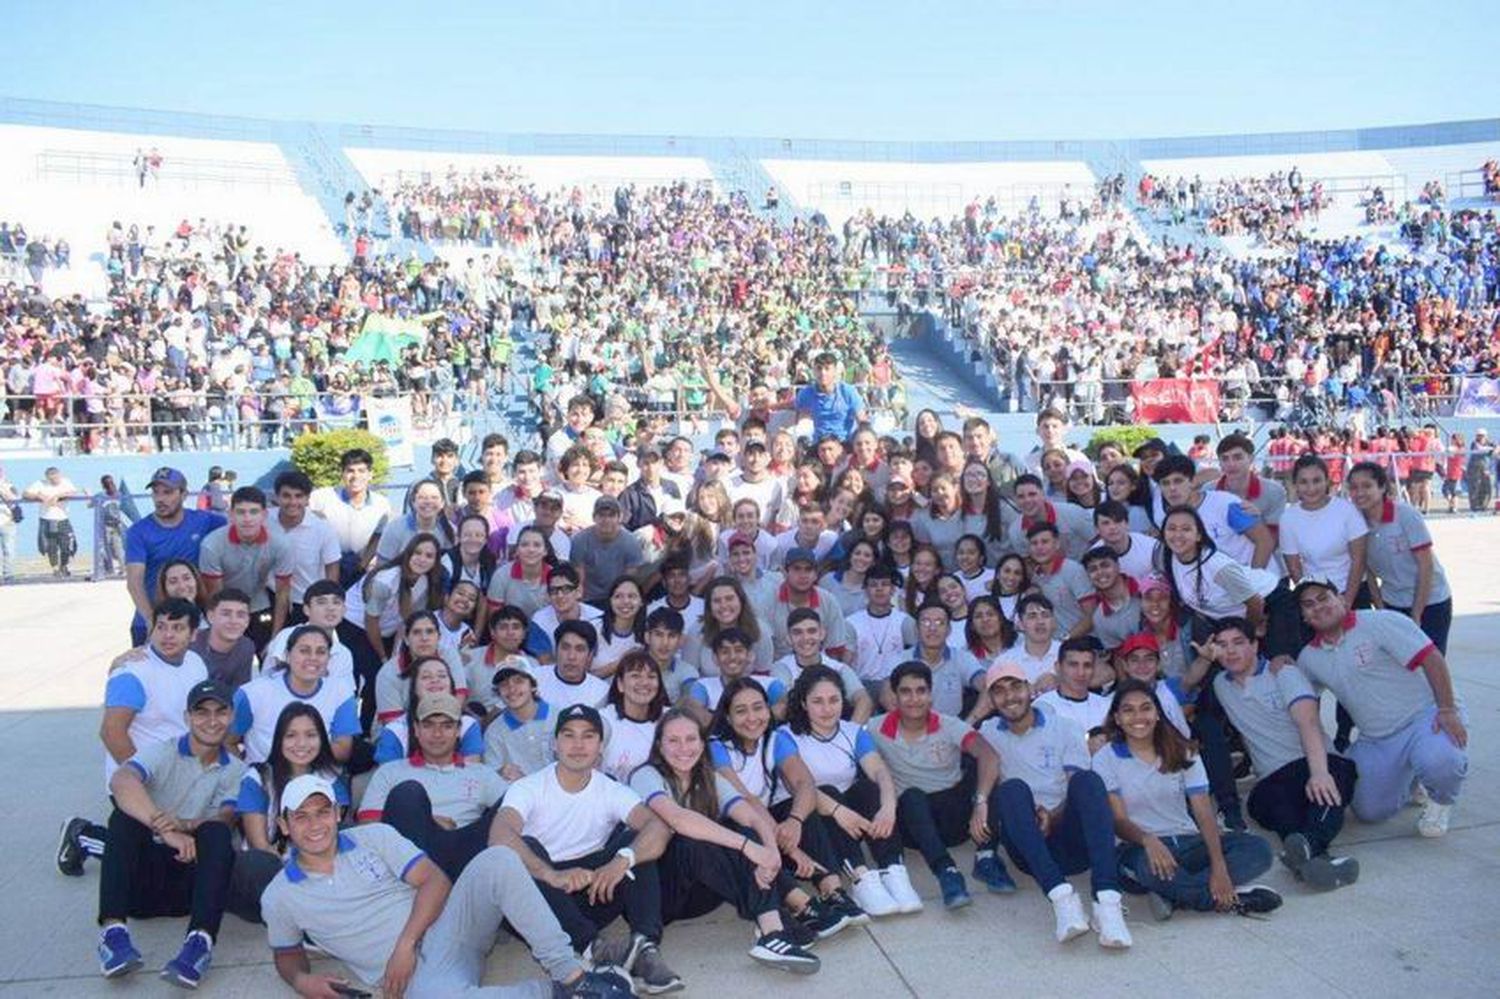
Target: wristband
980 799
629 856
796 818
744 844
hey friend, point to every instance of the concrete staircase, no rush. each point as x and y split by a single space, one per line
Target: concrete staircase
323 170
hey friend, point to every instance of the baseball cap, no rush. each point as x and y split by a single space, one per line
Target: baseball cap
209 690
299 789
1005 669
740 539
1141 641
1151 444
1315 582
718 456
550 496
648 453
670 506
606 504
509 670
1080 466
168 477
579 712
1154 584
439 704
800 555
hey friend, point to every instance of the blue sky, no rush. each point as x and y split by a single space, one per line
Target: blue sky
872 70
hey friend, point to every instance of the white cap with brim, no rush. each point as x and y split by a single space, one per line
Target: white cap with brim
299 789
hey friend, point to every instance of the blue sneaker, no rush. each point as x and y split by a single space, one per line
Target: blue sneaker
187 968
990 869
955 890
117 954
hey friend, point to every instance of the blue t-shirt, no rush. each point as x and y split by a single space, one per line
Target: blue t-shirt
152 545
835 413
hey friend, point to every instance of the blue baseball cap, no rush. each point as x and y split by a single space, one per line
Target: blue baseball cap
168 477
801 555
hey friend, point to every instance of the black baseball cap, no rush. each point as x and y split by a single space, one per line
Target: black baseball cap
210 690
579 712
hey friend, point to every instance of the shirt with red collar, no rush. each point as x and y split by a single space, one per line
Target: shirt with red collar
932 762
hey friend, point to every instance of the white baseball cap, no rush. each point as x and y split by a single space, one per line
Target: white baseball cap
299 789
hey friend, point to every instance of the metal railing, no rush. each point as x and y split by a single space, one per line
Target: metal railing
183 172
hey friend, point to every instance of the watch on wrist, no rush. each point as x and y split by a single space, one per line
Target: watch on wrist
629 856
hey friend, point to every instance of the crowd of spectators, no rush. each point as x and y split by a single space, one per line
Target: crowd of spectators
1269 208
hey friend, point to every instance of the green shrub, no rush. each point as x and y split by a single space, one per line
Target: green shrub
317 454
1129 438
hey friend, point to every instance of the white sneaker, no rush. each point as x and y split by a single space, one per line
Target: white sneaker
1418 798
1109 921
1434 820
871 896
1068 908
898 884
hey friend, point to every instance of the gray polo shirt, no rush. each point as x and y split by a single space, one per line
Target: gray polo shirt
1374 670
1044 756
930 763
357 912
1066 584
1259 707
524 744
829 612
603 561
1390 551
458 791
953 675
252 566
786 669
1154 801
181 785
1075 527
1113 625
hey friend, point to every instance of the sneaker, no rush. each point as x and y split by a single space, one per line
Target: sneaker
187 968
778 951
1108 920
1068 908
1232 818
1326 873
990 869
839 901
117 954
613 950
1418 797
823 918
1254 900
872 896
797 931
1434 820
898 884
955 889
1161 907
1296 852
606 983
650 971
70 853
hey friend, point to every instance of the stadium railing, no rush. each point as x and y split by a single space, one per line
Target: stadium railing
175 171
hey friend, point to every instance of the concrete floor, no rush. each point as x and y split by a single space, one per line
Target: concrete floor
1422 919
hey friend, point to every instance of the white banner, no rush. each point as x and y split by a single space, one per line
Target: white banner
390 420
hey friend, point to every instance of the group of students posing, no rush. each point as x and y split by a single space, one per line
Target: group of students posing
476 730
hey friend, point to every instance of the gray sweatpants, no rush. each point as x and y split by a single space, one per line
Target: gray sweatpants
493 887
1386 767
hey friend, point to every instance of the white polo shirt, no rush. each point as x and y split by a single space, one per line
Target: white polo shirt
313 543
354 526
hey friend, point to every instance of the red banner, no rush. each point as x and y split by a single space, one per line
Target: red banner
1176 400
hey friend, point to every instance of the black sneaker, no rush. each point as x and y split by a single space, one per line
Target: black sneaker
607 983
1325 873
839 901
1256 900
797 932
777 950
1232 818
70 854
651 972
823 919
1296 851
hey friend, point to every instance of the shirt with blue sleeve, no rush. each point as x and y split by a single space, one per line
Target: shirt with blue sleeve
834 759
759 771
356 913
1259 706
1154 801
648 782
258 704
156 690
707 690
394 742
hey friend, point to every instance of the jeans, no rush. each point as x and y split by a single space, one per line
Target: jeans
1279 803
933 821
408 810
1083 837
142 878
1246 855
638 899
254 870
